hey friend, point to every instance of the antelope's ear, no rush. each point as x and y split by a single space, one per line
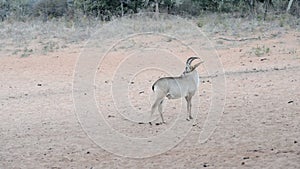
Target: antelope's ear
196 65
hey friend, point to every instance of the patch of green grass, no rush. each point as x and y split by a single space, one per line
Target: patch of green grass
261 50
200 22
284 20
281 22
260 17
26 52
50 46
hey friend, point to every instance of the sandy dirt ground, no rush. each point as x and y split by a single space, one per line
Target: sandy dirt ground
260 126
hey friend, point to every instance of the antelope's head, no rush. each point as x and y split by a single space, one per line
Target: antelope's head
189 67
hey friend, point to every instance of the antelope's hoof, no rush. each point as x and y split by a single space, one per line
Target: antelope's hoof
189 118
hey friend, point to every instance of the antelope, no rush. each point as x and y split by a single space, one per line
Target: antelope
181 86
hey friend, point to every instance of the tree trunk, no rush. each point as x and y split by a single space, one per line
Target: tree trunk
267 3
252 7
289 5
156 7
122 9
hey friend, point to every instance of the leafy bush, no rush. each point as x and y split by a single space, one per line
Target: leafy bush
107 9
50 8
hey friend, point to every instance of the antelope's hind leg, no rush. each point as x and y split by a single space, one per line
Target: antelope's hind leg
156 105
160 109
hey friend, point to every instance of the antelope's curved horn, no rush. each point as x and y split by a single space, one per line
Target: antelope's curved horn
196 65
189 61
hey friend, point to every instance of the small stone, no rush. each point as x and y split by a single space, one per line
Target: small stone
245 158
132 82
109 116
295 142
263 59
243 163
39 84
87 152
205 165
291 101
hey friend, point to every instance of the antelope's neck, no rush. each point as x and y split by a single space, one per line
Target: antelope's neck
196 77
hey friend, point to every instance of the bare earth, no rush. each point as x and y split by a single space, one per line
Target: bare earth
260 126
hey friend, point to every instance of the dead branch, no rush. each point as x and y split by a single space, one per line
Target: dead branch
242 39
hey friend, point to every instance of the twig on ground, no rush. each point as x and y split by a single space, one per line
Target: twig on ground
242 39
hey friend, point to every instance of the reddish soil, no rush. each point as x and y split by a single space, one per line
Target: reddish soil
260 126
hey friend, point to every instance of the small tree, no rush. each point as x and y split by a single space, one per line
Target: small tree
50 8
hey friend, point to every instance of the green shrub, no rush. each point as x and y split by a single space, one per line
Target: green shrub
50 8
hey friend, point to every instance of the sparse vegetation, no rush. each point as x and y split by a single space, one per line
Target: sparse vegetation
26 52
50 47
261 50
200 22
23 10
54 24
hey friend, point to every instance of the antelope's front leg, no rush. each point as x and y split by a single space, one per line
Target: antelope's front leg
189 107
